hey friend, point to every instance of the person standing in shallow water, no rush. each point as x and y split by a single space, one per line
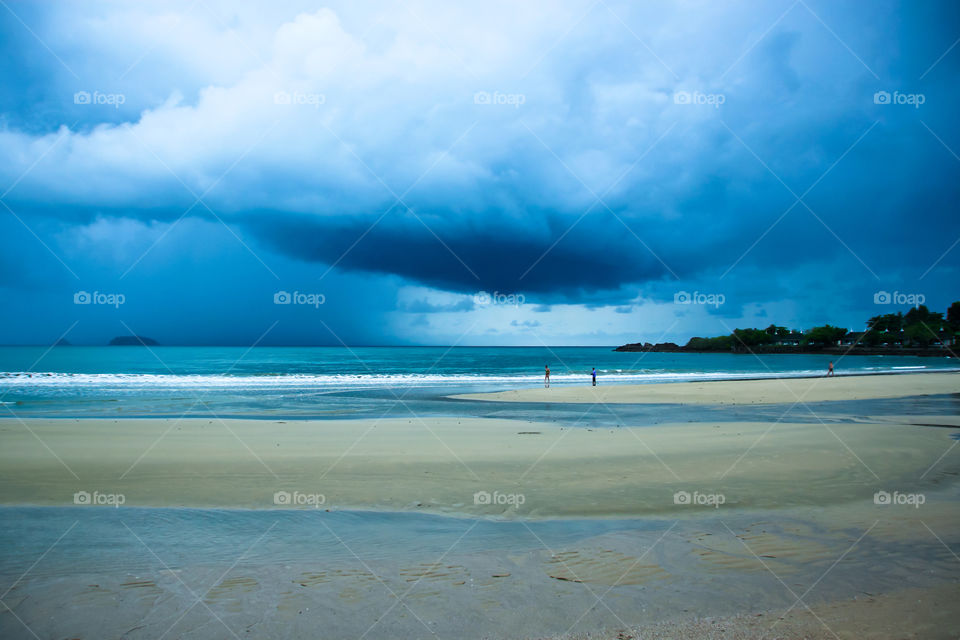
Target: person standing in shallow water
593 374
830 369
546 375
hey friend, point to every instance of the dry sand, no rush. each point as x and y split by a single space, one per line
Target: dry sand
730 392
438 464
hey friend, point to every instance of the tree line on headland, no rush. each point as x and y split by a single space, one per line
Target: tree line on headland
919 331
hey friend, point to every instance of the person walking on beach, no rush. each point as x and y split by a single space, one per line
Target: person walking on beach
830 370
546 376
593 374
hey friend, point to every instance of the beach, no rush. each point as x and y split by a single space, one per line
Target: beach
841 524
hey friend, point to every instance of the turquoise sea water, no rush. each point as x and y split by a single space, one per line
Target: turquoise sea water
340 381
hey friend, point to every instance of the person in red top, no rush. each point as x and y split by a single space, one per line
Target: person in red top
546 376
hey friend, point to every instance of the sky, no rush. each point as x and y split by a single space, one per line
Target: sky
495 173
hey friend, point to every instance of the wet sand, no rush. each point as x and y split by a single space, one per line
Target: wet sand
732 573
910 613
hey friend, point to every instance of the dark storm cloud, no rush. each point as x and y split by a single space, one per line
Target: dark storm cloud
467 260
592 174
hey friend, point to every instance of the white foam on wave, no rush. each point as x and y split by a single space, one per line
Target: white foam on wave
22 379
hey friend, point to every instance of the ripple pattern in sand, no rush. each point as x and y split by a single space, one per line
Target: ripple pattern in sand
603 567
756 546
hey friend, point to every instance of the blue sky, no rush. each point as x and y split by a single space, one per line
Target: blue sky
472 173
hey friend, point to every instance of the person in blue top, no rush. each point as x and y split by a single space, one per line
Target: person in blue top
593 374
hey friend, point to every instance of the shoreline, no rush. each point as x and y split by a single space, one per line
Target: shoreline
435 399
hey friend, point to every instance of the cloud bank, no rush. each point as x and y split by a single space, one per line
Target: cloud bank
594 155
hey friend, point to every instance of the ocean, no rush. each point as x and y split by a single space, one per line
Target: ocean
338 382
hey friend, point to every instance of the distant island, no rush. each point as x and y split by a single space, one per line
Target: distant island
918 332
133 341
